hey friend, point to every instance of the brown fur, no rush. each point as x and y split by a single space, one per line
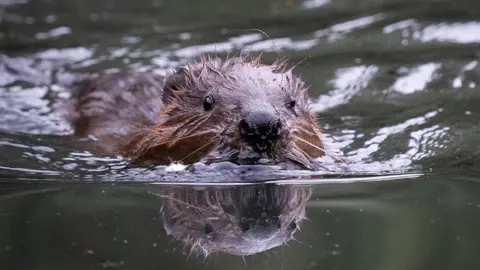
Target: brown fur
158 120
241 220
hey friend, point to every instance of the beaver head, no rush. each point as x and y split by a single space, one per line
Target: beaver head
238 110
240 220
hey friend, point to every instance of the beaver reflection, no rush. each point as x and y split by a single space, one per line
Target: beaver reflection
241 220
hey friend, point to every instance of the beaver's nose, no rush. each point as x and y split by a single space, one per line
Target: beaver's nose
262 228
260 130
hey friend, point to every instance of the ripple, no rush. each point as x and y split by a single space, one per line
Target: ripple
399 26
309 4
347 83
70 54
337 31
418 143
424 142
392 76
459 80
56 32
416 79
459 32
468 32
282 44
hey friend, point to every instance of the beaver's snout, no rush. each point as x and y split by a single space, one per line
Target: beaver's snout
260 130
263 227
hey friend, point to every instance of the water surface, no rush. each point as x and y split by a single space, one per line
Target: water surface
394 84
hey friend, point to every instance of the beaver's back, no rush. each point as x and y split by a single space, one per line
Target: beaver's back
115 104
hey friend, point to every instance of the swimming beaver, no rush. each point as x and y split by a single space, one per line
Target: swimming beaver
238 110
241 220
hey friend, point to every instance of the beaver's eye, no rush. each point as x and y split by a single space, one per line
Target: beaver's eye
208 103
209 232
291 104
244 226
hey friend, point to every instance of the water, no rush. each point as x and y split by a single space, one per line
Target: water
395 86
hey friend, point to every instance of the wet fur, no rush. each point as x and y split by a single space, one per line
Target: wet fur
152 119
210 220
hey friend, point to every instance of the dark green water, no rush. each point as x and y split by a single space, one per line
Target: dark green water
395 85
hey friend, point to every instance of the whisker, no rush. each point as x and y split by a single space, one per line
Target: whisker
301 61
298 156
309 143
193 121
319 148
265 34
178 139
221 144
193 129
215 148
213 160
190 253
200 148
300 242
207 259
180 202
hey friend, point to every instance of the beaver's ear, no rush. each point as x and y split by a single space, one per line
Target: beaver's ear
173 83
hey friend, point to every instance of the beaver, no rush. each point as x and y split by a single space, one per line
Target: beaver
239 110
239 220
